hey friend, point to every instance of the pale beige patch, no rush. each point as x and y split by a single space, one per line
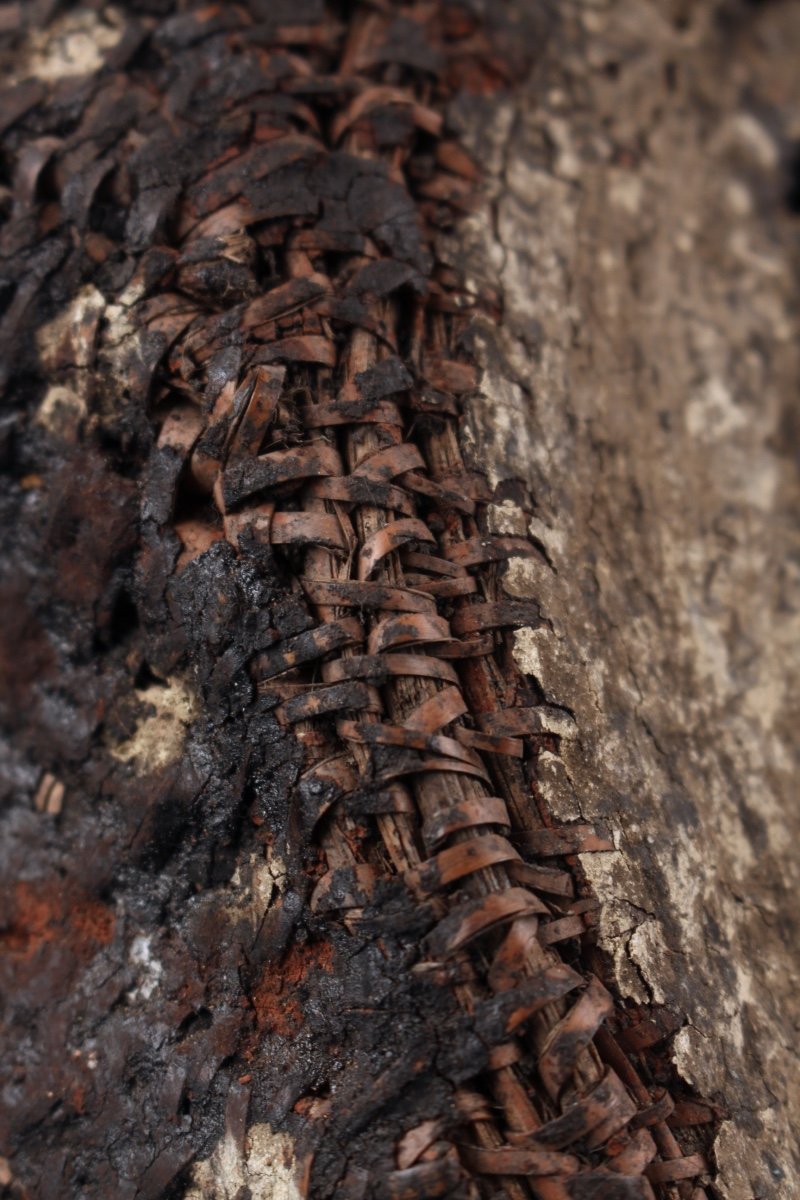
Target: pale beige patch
626 191
527 650
61 411
66 348
265 1165
159 738
522 577
712 412
257 888
744 134
70 337
74 44
506 518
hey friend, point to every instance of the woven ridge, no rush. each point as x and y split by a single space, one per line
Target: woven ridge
331 435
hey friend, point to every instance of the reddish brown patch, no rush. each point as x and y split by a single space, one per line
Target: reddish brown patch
44 912
275 1000
33 923
92 921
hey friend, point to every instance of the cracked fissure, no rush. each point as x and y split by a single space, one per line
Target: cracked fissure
331 439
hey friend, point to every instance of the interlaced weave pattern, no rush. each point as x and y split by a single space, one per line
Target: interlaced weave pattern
320 417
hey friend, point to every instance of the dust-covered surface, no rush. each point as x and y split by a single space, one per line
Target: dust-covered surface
643 384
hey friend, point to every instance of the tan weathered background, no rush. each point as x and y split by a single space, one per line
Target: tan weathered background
643 385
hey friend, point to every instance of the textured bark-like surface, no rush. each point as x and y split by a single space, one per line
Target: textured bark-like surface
644 239
294 817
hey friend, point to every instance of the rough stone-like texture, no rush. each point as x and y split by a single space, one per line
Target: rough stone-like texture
642 385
